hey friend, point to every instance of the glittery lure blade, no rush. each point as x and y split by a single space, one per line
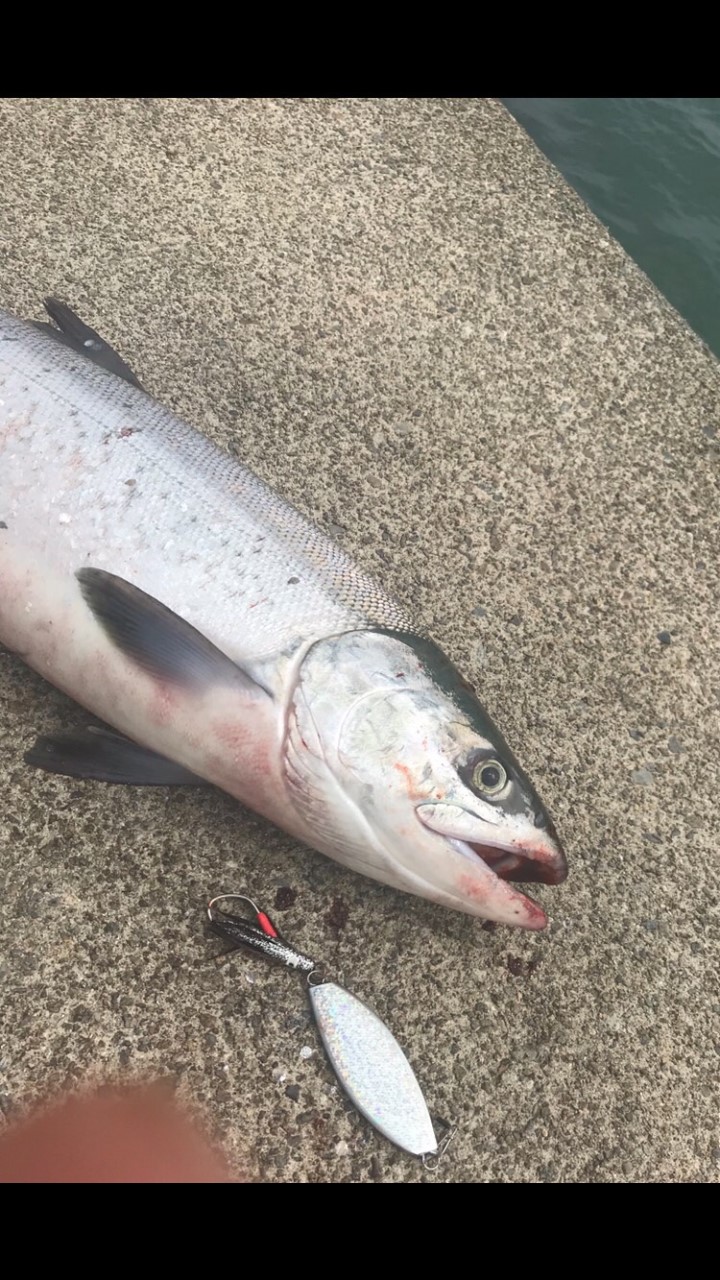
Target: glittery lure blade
373 1069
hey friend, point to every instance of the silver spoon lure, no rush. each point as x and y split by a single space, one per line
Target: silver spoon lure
364 1054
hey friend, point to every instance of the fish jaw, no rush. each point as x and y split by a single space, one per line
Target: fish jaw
539 859
452 874
494 897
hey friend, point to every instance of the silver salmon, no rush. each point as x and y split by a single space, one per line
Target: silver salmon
222 638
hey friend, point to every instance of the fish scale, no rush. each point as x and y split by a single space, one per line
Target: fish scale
125 482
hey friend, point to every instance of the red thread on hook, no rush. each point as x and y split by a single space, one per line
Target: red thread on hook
266 925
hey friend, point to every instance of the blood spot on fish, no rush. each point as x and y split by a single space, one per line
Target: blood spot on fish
163 705
131 483
337 917
407 775
124 432
232 734
399 675
284 898
240 756
470 888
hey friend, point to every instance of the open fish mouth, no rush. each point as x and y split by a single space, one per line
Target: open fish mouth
513 856
519 865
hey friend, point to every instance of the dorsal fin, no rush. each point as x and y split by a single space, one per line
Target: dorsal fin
74 333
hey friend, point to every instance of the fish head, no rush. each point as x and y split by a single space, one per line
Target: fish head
413 784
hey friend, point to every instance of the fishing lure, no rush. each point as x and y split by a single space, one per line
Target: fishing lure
363 1052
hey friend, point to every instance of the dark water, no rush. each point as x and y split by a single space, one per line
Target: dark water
650 170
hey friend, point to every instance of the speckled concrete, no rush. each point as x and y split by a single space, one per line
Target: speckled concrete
396 312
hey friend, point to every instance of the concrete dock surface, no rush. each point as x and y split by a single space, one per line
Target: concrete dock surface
398 314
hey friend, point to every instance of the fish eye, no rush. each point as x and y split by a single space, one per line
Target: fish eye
489 777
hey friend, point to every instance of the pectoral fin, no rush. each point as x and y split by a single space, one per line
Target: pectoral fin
159 641
99 754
